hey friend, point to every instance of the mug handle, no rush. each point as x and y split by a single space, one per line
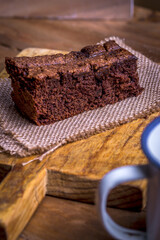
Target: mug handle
110 181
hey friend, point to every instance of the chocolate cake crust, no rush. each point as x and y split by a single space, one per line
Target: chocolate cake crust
51 88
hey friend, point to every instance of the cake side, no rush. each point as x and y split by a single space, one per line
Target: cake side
53 92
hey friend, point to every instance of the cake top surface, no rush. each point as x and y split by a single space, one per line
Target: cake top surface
79 67
75 62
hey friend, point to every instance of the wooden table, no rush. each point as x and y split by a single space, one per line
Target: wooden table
59 218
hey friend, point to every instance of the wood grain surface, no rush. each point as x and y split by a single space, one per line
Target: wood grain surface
20 194
141 33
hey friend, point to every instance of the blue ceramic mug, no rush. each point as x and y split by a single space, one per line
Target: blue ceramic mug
150 143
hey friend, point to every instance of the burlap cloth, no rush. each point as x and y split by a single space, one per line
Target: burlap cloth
21 137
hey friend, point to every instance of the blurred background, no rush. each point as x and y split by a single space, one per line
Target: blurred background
72 9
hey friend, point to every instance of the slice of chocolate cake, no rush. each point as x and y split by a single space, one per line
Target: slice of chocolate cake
47 89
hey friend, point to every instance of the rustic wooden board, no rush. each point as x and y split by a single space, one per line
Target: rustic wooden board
72 171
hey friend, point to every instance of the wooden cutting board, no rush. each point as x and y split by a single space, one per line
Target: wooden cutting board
72 171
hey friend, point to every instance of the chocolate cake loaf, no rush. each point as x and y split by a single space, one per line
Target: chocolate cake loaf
51 88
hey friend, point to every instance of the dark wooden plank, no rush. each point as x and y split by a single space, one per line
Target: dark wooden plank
4 170
154 4
63 219
68 9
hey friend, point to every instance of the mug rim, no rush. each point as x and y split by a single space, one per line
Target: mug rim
144 138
